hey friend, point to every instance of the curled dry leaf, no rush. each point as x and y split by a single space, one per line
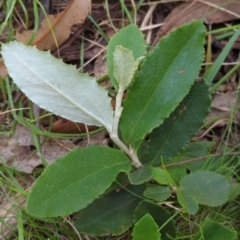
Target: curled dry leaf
3 70
67 126
60 25
208 10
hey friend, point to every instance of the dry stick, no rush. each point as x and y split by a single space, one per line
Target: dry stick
200 158
220 8
73 227
148 15
148 19
223 120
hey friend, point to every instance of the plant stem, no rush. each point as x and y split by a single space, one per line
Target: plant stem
130 153
114 134
118 109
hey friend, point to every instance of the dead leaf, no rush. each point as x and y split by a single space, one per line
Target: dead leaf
194 10
19 151
61 24
3 70
67 126
222 106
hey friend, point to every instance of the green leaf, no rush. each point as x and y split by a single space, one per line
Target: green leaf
188 202
146 228
177 130
177 173
141 175
161 176
112 213
212 230
235 190
160 216
56 86
74 181
195 150
129 37
164 79
208 188
157 193
124 66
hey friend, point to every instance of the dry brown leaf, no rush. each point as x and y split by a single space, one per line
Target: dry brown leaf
67 126
222 106
220 115
75 13
194 10
3 70
19 151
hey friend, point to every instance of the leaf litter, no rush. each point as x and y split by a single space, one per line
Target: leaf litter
212 12
19 151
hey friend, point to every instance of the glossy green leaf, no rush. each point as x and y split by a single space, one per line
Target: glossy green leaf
160 216
124 66
188 202
208 188
157 193
146 228
56 86
141 175
164 79
74 181
183 123
212 230
161 176
129 37
110 214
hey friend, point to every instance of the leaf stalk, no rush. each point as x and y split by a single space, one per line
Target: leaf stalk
114 133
